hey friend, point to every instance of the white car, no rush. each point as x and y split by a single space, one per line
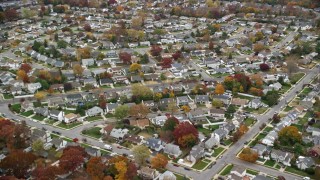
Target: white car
108 147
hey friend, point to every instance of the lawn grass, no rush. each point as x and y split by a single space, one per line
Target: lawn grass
38 117
200 165
227 142
296 77
253 172
284 88
278 166
213 127
299 126
305 118
27 113
109 115
243 97
268 129
256 111
50 121
180 177
16 108
297 171
217 151
287 109
269 163
206 132
7 96
249 121
306 91
67 111
93 132
226 170
69 126
94 118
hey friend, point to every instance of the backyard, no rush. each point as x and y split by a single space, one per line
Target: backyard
93 132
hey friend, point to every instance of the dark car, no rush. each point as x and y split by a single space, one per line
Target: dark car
188 169
125 154
176 165
56 132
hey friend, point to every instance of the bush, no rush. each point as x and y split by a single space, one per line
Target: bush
310 171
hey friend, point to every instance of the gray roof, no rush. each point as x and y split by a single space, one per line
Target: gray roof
153 143
197 151
308 161
172 149
54 112
201 98
74 96
221 132
56 141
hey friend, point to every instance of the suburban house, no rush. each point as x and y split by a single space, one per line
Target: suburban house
196 153
256 103
201 99
282 157
270 138
238 172
74 99
37 134
118 133
27 106
262 150
57 101
58 143
214 140
110 108
93 151
134 139
216 113
183 100
42 111
71 117
33 87
148 173
167 175
221 133
56 115
155 144
94 111
87 62
315 151
304 162
158 120
172 149
239 102
141 123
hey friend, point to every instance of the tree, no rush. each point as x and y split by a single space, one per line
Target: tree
170 124
125 57
289 135
62 44
139 110
159 161
177 55
172 107
292 61
271 97
72 158
135 67
259 36
219 89
183 129
141 90
87 27
22 75
46 173
144 59
211 45
155 50
243 129
102 102
83 53
25 67
11 14
141 153
217 103
95 168
264 67
121 111
40 95
276 118
249 155
188 140
37 146
137 22
17 163
185 108
77 70
258 47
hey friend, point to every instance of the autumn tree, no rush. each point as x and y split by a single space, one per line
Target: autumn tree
217 103
141 91
22 75
72 158
102 102
95 168
83 53
46 173
186 108
211 45
166 63
11 14
25 67
139 110
37 146
155 50
17 163
219 89
188 140
136 23
121 111
249 155
289 135
125 57
128 170
135 67
170 124
258 47
292 62
77 70
264 67
185 133
159 161
87 27
141 153
40 95
172 107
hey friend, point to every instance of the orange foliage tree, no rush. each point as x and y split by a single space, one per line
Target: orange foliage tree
248 155
159 161
219 89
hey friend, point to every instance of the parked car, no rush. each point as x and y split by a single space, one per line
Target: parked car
108 147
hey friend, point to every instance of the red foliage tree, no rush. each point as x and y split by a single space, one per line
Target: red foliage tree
102 102
166 62
211 45
264 67
176 55
155 50
183 129
243 80
72 158
11 14
111 2
125 57
87 27
25 67
46 173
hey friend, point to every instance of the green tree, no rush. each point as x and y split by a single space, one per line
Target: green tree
289 135
37 146
217 103
141 153
121 112
271 97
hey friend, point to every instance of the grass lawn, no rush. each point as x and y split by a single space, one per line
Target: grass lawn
256 111
284 89
66 111
268 129
220 74
54 136
226 170
217 151
119 85
38 117
278 166
248 121
50 121
200 165
287 109
180 177
270 163
16 108
299 126
109 115
227 142
296 77
259 137
69 126
214 127
7 96
27 113
93 132
94 118
253 172
296 171
306 91
244 97
206 132
305 118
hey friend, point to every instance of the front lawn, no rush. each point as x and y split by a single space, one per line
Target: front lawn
226 170
287 108
297 171
256 111
109 115
7 96
27 113
270 163
217 151
93 132
51 121
70 125
296 77
306 91
214 127
227 142
305 118
268 129
180 177
200 165
249 121
252 172
284 88
93 118
15 108
206 132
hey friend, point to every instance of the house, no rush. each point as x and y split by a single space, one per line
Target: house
197 115
87 62
43 111
276 86
71 117
172 149
239 102
58 143
93 151
111 107
94 111
158 120
167 175
106 82
270 138
237 172
57 101
163 103
118 133
155 144
136 78
150 104
224 98
282 157
141 123
27 106
91 81
107 130
37 134
202 99
74 99
221 133
33 87
183 100
134 139
256 103
196 153
261 149
148 173
56 115
216 113
214 140
304 162
315 151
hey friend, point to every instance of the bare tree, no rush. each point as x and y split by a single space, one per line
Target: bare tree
292 62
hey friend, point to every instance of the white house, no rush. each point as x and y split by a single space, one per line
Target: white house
304 162
94 111
33 87
57 115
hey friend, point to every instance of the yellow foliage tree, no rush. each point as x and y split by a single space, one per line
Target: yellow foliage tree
40 95
135 67
185 108
219 89
159 161
121 167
